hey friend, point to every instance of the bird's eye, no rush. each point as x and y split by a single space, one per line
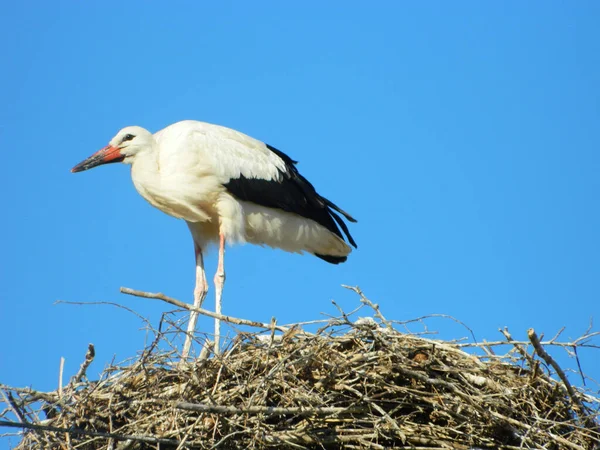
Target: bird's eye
128 137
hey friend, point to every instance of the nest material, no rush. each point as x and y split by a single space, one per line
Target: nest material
357 384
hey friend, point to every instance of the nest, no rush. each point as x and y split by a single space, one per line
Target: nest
353 383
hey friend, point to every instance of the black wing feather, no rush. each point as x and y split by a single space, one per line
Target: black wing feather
295 194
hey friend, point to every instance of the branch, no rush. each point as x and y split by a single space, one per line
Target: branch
76 431
10 401
366 301
521 424
89 357
61 369
204 312
530 360
269 410
515 342
32 394
589 422
142 318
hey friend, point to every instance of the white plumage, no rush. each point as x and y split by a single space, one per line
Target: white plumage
228 187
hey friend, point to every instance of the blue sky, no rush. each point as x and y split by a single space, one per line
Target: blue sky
463 136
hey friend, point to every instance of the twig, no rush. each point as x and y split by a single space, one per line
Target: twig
273 325
33 395
10 401
589 422
89 357
139 316
557 334
158 335
531 361
343 316
442 316
515 342
368 302
520 424
269 410
204 312
376 407
206 350
60 376
579 366
438 382
76 431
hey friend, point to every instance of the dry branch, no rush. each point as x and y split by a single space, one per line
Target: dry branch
268 410
204 312
89 357
589 422
80 432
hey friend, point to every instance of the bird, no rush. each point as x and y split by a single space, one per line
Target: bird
229 188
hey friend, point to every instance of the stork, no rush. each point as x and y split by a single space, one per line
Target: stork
228 187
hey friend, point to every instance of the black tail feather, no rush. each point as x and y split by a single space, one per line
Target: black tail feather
344 228
332 259
340 210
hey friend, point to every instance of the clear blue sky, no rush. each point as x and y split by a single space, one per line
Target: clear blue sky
463 136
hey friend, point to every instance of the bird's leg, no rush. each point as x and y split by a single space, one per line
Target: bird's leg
201 288
219 282
199 295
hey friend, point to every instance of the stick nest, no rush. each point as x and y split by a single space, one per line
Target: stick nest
351 384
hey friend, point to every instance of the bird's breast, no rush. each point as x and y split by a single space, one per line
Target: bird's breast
179 195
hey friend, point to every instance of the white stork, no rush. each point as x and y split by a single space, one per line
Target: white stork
228 187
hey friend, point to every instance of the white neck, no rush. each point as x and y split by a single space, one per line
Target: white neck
145 171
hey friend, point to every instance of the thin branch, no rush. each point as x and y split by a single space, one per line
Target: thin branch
579 366
33 394
60 376
139 316
79 432
521 424
204 312
586 336
530 360
515 342
557 334
10 401
589 422
435 316
269 410
368 302
89 357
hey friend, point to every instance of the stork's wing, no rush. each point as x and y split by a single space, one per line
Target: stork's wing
255 172
293 193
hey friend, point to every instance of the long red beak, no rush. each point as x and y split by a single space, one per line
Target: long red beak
108 154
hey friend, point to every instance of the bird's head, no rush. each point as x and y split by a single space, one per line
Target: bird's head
122 148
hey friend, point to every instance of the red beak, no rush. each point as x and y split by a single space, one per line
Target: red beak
108 154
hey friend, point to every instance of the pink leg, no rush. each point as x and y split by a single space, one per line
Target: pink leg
201 288
199 295
219 282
